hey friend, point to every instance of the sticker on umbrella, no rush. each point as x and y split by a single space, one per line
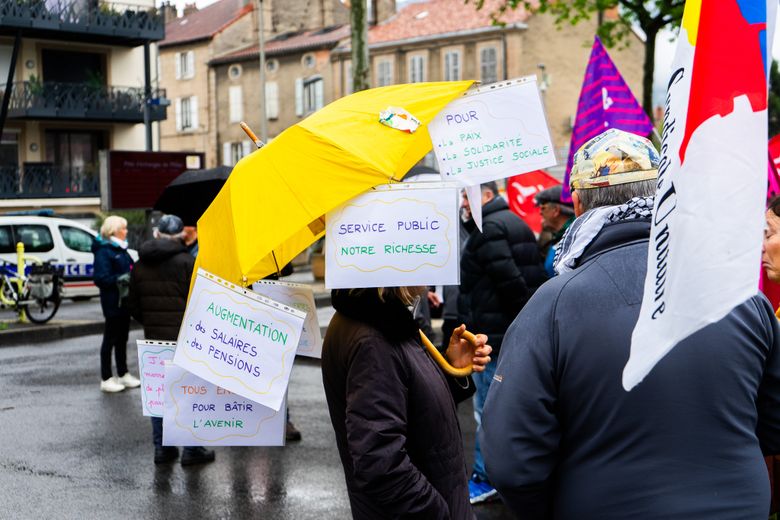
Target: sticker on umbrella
152 358
239 340
493 132
198 413
394 235
298 296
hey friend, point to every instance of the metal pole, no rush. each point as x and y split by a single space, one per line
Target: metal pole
9 84
147 97
261 38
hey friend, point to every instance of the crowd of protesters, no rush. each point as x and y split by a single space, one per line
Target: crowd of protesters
558 436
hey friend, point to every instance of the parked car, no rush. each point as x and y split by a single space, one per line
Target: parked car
65 242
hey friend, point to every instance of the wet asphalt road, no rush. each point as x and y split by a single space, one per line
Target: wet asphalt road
69 451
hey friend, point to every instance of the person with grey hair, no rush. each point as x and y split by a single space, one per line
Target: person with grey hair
562 438
557 216
159 286
111 273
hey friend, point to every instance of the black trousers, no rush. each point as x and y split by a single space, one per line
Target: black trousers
114 337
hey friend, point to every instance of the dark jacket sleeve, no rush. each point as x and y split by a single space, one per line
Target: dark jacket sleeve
134 297
495 255
102 273
520 431
769 392
376 420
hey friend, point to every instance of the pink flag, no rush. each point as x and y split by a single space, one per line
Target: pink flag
605 102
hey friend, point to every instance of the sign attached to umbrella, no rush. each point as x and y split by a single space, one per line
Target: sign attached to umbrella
298 296
239 340
394 235
493 132
199 413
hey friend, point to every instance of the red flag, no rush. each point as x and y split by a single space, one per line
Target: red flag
520 191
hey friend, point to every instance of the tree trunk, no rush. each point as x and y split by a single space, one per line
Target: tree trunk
359 30
648 71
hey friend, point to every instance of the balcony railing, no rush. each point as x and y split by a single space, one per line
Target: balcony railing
82 101
86 20
43 180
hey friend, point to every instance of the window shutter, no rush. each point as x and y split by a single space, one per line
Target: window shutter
226 159
190 64
177 107
177 64
319 94
236 104
194 112
272 100
299 97
246 148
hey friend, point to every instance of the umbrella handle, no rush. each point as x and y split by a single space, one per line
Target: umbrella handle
436 355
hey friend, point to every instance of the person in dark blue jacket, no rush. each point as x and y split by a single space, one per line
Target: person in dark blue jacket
112 276
562 438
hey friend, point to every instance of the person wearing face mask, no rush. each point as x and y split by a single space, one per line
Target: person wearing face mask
112 276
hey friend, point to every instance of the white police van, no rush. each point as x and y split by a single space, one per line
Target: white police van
65 242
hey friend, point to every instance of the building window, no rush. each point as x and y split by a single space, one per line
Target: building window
187 114
452 66
416 69
488 66
232 152
272 65
309 95
272 100
236 104
234 71
384 73
308 61
348 86
185 65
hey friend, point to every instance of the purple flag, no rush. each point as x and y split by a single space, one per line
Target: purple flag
605 102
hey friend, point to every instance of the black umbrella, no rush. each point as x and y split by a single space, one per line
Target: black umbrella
190 194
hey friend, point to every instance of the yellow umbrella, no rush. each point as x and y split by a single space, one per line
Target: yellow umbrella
273 204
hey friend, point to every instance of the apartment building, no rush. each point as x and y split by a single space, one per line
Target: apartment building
209 65
447 40
82 73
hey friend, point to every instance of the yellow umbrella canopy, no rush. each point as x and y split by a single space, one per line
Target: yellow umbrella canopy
273 204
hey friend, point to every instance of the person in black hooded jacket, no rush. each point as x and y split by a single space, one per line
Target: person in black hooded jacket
393 409
500 268
159 285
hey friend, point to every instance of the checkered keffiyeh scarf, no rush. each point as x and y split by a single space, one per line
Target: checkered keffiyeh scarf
583 230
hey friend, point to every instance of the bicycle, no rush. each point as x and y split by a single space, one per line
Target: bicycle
36 294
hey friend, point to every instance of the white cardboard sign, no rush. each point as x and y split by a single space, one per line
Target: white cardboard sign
239 340
493 132
198 413
298 296
394 235
152 357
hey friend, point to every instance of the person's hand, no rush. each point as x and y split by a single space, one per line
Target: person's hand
460 353
433 299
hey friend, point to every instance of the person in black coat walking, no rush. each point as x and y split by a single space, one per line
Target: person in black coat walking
500 268
392 408
112 265
159 287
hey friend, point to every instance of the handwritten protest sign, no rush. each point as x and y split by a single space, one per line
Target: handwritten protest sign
198 413
239 340
152 357
394 235
493 132
298 296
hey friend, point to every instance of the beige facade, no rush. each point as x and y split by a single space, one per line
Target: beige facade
498 53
